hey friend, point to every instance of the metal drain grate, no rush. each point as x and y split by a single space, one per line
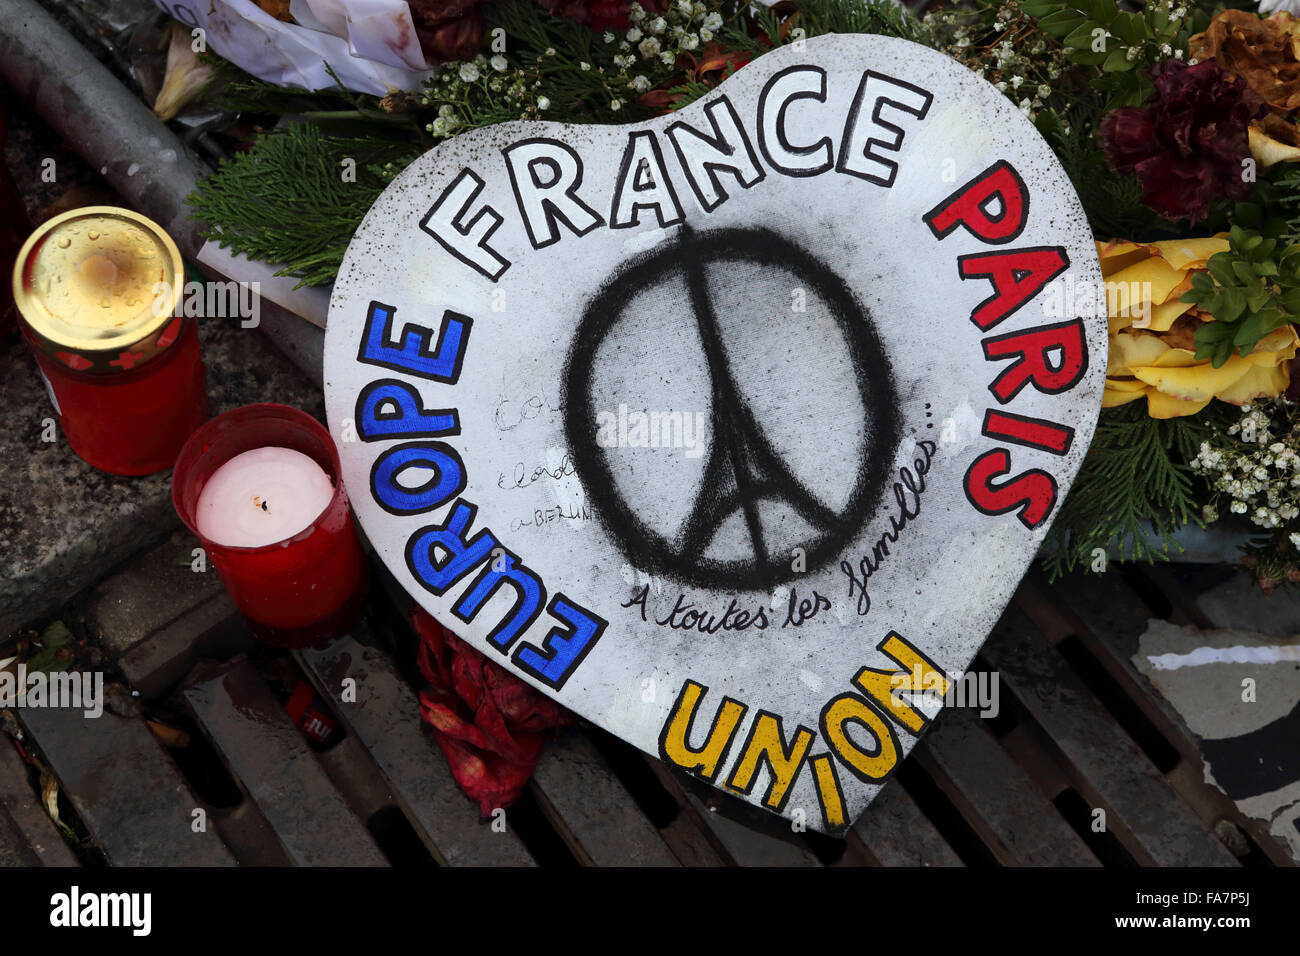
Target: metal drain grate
1079 731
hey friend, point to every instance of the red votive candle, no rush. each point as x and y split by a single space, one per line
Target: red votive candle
266 464
97 290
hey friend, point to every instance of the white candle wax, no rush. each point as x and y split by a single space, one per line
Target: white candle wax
261 497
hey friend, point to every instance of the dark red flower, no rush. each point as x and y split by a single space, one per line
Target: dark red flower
600 15
1187 143
489 724
448 30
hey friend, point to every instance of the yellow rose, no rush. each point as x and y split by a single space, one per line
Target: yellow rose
1152 353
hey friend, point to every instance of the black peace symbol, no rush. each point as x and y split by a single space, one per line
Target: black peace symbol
742 467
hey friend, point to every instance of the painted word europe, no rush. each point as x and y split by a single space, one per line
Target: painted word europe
443 554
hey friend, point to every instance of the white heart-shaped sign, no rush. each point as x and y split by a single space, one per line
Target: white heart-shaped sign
735 429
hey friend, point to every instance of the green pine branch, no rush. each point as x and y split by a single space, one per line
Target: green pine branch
764 28
1134 491
292 199
876 17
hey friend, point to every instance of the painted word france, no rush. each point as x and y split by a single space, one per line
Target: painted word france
546 176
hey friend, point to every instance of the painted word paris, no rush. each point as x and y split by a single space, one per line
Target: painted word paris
785 267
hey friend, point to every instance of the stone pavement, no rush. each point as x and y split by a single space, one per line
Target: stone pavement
65 525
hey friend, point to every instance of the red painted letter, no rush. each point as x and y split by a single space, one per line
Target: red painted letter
1053 357
968 206
1016 276
1030 432
1033 492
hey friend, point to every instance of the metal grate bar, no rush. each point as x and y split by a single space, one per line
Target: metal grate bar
125 789
999 800
592 810
895 832
385 717
1107 767
268 755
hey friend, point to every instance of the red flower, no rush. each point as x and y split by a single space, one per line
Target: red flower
1186 145
600 15
489 724
448 30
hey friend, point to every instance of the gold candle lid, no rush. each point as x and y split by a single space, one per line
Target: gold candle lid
98 287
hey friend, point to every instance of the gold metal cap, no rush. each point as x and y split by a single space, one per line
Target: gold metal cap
96 286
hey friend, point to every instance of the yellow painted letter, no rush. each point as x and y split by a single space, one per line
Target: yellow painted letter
674 741
887 688
868 765
828 792
767 743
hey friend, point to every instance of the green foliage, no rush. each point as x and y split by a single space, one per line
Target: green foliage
1284 191
287 200
760 29
1134 491
337 110
1120 44
241 92
764 28
1002 44
557 69
688 92
57 649
1251 290
1112 203
1272 559
876 17
548 53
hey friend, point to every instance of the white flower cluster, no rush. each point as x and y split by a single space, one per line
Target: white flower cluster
450 85
651 44
1259 472
684 27
1022 71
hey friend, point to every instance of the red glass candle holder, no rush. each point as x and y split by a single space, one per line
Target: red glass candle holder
131 422
97 290
303 590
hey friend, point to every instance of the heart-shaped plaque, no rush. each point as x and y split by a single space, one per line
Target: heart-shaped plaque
735 429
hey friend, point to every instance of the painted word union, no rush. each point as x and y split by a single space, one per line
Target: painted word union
882 703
